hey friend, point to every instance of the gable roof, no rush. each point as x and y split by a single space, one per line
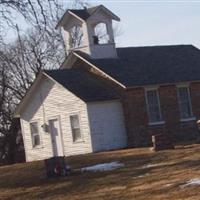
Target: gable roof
139 66
82 84
85 13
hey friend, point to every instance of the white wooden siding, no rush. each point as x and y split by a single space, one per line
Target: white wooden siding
52 100
107 126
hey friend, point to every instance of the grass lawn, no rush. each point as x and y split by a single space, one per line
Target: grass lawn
147 175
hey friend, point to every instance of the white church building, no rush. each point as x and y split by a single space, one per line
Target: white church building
104 98
68 111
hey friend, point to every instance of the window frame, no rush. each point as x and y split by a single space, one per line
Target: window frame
106 36
81 135
161 121
191 117
38 124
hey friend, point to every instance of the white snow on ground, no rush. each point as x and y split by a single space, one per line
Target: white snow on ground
195 181
141 176
151 165
169 184
103 167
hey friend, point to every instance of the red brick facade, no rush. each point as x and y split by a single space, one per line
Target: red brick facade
138 129
136 118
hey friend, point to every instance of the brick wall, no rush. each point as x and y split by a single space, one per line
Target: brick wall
136 118
170 109
195 98
139 132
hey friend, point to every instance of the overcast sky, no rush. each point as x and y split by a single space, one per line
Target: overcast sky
156 22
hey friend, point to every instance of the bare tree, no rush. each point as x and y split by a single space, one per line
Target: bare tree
35 12
78 4
41 47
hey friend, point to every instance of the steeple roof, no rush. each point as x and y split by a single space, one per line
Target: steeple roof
84 14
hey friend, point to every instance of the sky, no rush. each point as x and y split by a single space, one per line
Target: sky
145 23
153 22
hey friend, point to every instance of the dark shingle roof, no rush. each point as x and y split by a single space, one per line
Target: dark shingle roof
84 13
82 84
137 66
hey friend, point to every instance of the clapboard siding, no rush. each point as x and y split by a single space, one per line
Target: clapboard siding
51 100
107 125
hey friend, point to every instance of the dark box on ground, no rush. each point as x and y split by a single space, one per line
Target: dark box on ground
55 166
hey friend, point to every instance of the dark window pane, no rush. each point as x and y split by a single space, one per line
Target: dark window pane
75 126
36 140
35 134
34 127
74 121
76 134
184 103
153 106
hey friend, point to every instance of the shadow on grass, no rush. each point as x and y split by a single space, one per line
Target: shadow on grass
88 183
30 180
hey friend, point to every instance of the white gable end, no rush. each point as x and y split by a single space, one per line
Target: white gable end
50 101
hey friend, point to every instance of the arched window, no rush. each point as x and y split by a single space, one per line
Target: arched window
101 34
75 36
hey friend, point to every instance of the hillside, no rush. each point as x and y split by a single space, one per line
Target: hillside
172 174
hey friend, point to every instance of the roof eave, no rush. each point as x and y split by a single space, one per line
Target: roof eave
103 100
96 67
65 18
113 16
68 61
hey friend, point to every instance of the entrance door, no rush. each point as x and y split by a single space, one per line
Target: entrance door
57 147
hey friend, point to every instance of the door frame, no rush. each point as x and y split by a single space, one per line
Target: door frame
60 127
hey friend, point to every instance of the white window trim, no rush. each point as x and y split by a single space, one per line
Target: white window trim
39 133
153 88
81 140
156 123
185 85
188 119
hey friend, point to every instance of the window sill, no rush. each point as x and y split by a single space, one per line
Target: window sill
156 123
37 147
188 119
78 141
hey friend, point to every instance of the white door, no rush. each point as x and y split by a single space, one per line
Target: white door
57 147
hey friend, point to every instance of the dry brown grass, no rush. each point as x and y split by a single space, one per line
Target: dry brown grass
28 181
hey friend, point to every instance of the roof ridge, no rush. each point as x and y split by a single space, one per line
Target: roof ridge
63 69
167 45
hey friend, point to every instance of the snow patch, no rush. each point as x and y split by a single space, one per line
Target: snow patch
151 165
195 181
141 176
169 184
103 167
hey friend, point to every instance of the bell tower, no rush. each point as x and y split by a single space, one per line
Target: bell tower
90 30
